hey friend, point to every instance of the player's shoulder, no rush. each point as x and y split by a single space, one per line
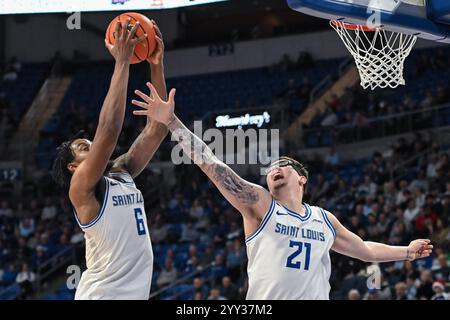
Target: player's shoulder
325 216
316 209
120 176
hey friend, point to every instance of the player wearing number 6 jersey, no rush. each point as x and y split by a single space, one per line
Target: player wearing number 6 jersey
107 205
288 241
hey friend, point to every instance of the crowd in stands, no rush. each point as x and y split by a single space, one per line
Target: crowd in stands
427 86
197 235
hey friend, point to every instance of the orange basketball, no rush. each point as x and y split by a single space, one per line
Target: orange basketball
144 49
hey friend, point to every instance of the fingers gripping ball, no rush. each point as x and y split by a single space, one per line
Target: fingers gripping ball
144 49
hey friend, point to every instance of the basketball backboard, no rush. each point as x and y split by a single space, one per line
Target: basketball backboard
428 19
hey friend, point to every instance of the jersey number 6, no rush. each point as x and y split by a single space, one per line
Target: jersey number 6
139 221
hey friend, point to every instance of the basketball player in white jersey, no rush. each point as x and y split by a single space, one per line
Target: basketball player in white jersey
107 205
288 241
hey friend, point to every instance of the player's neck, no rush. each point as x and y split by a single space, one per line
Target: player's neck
291 200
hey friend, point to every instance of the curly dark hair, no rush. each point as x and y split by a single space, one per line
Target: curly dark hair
60 174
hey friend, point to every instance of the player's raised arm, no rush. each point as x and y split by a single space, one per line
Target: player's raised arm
146 144
90 171
349 244
250 199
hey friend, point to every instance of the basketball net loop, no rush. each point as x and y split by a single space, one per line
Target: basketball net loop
379 54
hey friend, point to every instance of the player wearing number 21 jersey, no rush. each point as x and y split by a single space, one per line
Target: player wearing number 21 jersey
288 241
107 205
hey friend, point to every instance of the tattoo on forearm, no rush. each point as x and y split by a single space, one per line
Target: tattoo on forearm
192 145
243 191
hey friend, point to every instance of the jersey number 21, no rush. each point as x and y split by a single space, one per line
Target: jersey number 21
299 248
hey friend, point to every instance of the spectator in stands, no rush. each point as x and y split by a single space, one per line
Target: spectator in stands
235 257
400 291
329 119
78 236
383 224
419 197
354 295
411 213
219 269
332 159
443 270
159 229
402 195
188 233
398 234
208 256
425 290
426 219
443 165
368 186
228 289
6 210
447 189
193 265
12 70
197 211
49 211
428 101
23 251
26 227
411 290
372 295
200 288
197 296
25 279
214 294
439 292
167 275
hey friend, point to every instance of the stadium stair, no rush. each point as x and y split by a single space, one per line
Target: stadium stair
44 105
348 79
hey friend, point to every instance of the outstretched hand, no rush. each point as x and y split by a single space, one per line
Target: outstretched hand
125 41
156 58
419 248
155 108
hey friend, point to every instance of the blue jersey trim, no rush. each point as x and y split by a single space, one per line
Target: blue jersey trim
328 222
102 209
263 222
298 216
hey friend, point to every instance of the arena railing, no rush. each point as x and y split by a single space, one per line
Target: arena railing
181 280
44 270
54 264
11 292
378 127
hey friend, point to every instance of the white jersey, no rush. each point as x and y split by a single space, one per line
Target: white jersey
119 254
288 255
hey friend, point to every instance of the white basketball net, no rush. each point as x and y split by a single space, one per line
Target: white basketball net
379 54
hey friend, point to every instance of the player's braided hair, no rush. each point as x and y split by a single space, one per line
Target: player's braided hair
64 156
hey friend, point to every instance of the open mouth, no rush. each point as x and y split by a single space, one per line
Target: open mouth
277 176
